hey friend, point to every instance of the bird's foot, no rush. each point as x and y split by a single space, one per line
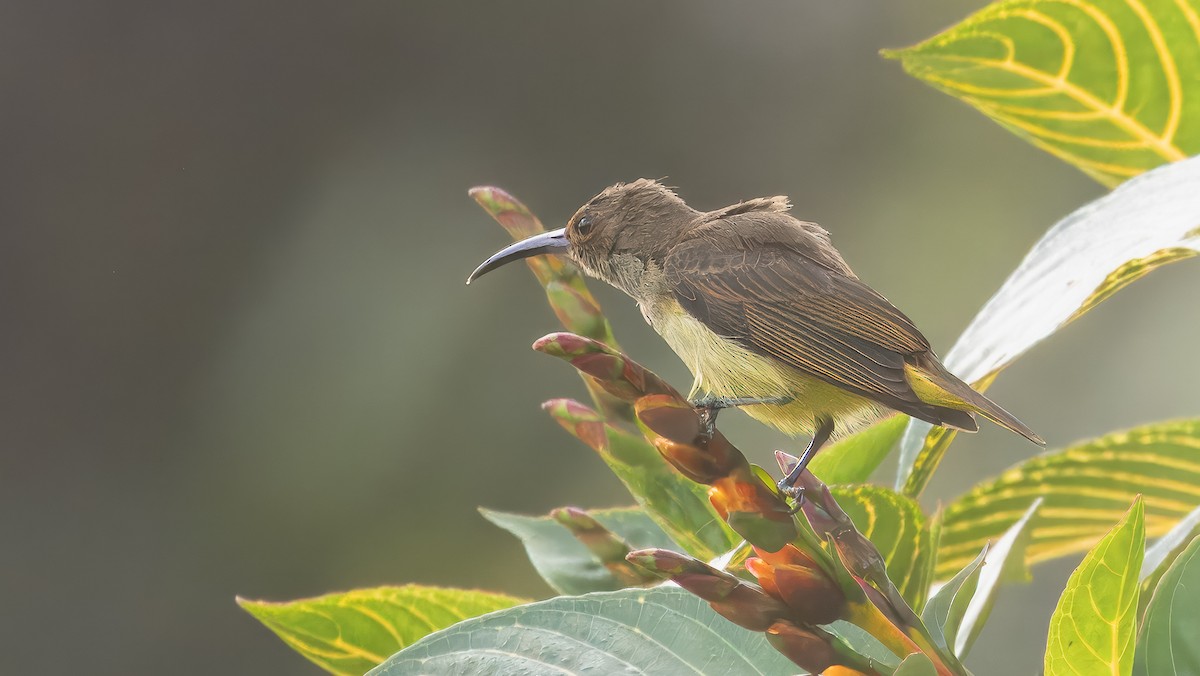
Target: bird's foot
787 485
796 494
709 405
789 491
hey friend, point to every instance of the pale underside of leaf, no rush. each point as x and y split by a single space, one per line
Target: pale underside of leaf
1163 553
564 562
1147 222
1167 642
1005 561
659 631
916 664
944 613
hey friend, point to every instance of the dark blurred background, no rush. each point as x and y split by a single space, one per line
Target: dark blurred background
237 353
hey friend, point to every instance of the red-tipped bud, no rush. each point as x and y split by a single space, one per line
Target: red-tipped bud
692 462
737 601
580 420
602 542
619 375
810 593
786 461
663 562
807 590
810 650
669 417
749 608
789 555
508 210
562 344
606 546
707 586
569 410
765 574
753 510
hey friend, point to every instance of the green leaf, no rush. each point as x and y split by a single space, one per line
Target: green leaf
1163 553
1108 86
899 529
661 631
1088 256
853 459
1167 641
916 664
1092 629
564 562
1086 487
944 613
352 632
1004 562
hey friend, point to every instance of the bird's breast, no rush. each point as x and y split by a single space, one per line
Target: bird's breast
724 368
720 365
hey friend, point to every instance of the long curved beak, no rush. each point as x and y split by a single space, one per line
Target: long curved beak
554 241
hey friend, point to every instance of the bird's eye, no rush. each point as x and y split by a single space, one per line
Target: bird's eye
583 226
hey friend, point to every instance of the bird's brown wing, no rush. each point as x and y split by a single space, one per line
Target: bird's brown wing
776 301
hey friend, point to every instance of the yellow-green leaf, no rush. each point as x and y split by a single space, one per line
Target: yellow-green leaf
1109 86
901 532
1084 259
1085 488
352 632
1092 629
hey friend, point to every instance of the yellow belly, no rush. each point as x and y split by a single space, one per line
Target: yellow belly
723 368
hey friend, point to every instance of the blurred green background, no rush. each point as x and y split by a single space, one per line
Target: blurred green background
237 353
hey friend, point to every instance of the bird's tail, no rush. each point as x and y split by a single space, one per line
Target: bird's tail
933 384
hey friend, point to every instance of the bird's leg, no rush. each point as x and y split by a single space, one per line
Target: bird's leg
820 436
709 405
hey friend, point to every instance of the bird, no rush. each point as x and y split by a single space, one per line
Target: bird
765 313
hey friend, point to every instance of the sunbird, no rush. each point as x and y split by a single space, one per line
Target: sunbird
765 313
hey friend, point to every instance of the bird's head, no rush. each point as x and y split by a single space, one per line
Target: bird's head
616 236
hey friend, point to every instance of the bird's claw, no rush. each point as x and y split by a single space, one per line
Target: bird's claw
708 405
794 493
708 423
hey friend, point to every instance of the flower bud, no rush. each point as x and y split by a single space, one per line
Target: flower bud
810 593
804 647
692 462
740 603
753 511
